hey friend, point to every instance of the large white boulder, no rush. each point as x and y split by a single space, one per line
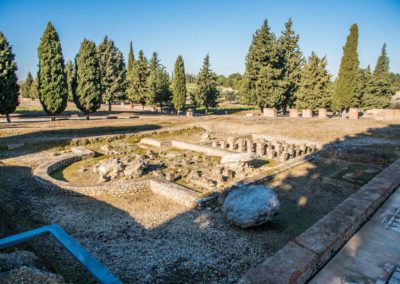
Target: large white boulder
249 206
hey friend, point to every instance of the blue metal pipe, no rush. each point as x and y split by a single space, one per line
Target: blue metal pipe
99 271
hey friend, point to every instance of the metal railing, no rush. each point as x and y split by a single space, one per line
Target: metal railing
99 271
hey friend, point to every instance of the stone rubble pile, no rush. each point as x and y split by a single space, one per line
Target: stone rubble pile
131 166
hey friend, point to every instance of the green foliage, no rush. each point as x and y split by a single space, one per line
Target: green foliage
233 81
71 80
262 85
113 72
345 95
291 60
313 91
88 78
207 93
137 80
179 85
9 88
25 87
379 88
158 83
131 58
52 80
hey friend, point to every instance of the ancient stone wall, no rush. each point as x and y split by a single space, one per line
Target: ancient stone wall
270 149
170 190
302 257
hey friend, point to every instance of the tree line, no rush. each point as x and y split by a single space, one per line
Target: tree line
99 75
278 76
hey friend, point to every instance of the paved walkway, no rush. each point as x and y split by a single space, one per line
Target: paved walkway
372 255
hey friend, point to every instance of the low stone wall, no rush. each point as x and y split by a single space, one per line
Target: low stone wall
170 190
156 143
301 258
200 148
383 114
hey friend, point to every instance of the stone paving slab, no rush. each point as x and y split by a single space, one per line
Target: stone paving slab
365 256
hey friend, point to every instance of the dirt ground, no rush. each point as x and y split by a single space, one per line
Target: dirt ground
146 238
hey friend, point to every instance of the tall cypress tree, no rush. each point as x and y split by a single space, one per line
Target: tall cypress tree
137 80
207 93
71 80
262 81
313 92
345 95
87 95
291 60
379 90
158 83
25 87
131 57
179 85
9 88
52 80
113 72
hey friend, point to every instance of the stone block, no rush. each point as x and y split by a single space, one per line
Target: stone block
189 113
322 113
270 112
293 112
353 113
222 144
306 113
214 144
260 149
291 264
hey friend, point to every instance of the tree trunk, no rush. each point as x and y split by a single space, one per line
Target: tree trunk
132 105
87 117
142 107
8 118
206 110
53 118
109 106
161 107
261 109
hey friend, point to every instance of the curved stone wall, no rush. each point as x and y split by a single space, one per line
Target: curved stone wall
175 192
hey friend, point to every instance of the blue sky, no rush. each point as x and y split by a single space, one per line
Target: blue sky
194 28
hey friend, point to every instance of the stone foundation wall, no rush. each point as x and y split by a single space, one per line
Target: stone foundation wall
301 258
271 149
170 190
383 114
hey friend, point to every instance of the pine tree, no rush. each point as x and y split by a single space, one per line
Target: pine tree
137 80
291 60
346 90
25 87
313 92
113 72
87 95
262 81
364 82
131 57
380 89
158 83
71 79
179 85
207 93
9 88
52 80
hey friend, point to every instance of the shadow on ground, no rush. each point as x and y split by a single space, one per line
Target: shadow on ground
195 246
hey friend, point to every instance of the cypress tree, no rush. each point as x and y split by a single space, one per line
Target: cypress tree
87 95
113 72
207 93
131 57
313 91
137 80
158 83
25 87
33 91
291 61
345 95
52 80
262 81
71 80
179 85
9 88
379 90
